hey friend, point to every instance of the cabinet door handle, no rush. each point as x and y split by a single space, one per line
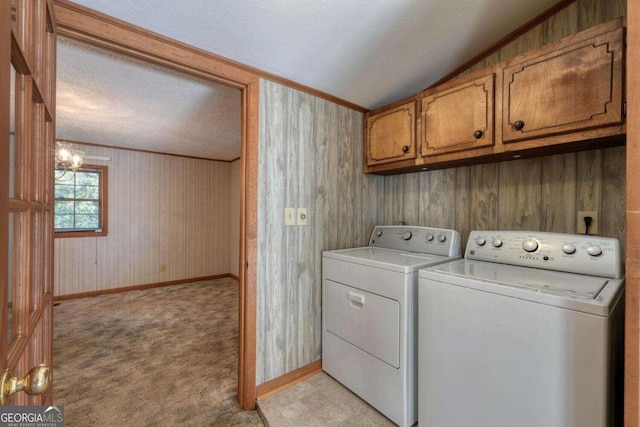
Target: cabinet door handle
478 134
405 149
519 125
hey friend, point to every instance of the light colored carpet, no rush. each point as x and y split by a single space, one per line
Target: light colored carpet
158 357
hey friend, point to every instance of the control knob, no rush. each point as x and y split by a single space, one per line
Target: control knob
530 245
429 237
568 248
480 241
594 250
442 238
406 235
378 233
496 242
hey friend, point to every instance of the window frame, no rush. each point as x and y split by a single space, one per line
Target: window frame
104 191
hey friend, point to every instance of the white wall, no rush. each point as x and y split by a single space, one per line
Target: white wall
162 210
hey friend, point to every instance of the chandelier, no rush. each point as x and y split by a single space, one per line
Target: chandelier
67 158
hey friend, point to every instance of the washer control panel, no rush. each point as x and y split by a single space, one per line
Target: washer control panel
426 240
572 253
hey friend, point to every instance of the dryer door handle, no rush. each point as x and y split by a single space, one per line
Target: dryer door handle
356 299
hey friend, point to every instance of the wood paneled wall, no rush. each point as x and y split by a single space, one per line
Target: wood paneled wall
534 194
310 156
162 210
542 194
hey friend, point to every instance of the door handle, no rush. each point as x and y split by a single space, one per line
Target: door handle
356 298
35 382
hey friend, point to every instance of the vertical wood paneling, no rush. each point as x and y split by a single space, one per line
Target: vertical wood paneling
484 197
519 195
531 40
162 210
558 193
272 252
308 271
410 198
145 182
589 180
442 203
462 197
291 128
562 24
114 269
311 157
613 193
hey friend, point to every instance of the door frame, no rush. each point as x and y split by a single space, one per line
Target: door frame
89 26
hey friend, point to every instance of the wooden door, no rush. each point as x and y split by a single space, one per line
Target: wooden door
390 135
27 98
569 86
458 116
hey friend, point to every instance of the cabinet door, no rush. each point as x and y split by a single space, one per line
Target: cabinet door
459 118
573 88
391 135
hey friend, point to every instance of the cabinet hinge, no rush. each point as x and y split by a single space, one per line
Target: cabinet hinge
624 109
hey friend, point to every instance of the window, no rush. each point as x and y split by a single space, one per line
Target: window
80 208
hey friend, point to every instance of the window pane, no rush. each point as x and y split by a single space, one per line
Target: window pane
87 221
64 191
87 192
63 221
87 178
63 207
92 208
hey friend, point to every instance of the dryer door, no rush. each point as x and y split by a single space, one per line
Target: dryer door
368 321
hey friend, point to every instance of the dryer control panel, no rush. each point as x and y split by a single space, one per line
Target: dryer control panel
426 240
572 253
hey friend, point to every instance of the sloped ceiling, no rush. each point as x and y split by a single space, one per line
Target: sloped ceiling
368 52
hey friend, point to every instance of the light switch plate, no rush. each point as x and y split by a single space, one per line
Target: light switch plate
302 216
289 216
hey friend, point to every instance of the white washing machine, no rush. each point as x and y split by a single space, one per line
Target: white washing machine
526 331
370 312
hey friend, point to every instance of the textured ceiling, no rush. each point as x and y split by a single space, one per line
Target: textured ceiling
111 99
368 52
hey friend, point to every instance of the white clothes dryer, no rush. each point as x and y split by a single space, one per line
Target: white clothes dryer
370 314
526 331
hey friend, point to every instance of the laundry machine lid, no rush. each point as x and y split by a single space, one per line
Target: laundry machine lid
589 294
388 259
568 284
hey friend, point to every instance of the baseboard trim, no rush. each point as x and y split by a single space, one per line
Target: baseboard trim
234 277
139 287
287 380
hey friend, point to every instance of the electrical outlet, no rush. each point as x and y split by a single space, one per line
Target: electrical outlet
595 224
289 216
302 216
163 268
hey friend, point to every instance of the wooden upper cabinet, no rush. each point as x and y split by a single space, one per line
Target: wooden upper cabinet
458 116
571 87
390 135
